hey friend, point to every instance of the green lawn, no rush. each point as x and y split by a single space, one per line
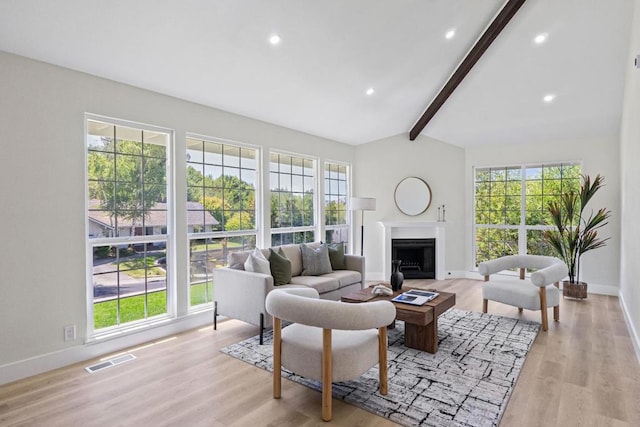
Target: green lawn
213 246
136 267
132 308
200 292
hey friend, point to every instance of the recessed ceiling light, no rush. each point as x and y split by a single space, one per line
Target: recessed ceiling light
540 38
370 91
548 98
275 39
450 34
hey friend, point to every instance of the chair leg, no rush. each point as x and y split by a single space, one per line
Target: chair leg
327 375
382 360
519 309
485 304
277 358
261 327
556 309
543 307
215 315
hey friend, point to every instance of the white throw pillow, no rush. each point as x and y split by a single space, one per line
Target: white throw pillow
257 263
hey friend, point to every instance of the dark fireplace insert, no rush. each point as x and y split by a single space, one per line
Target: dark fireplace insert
418 257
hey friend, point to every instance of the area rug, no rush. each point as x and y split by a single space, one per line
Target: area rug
466 383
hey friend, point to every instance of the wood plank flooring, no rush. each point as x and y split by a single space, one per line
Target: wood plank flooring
583 371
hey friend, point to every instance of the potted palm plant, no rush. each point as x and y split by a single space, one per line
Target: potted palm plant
575 234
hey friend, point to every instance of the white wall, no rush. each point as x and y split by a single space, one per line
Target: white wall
382 164
630 180
600 268
42 183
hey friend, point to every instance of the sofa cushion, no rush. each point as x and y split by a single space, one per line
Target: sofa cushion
519 293
280 267
315 261
321 284
336 256
257 263
345 277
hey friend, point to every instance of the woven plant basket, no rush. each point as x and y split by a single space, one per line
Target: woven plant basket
574 290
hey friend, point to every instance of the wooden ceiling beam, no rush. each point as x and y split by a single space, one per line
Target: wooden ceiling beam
508 11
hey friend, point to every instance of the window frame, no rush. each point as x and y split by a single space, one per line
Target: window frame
166 236
347 226
521 228
315 227
225 234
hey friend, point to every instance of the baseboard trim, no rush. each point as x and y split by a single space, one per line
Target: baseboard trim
633 333
47 362
594 288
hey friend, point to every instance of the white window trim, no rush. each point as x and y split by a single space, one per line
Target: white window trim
349 216
169 238
317 228
234 233
522 227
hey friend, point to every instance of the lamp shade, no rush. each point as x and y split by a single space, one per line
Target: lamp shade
362 204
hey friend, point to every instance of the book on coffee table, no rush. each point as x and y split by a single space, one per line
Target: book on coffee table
415 297
429 294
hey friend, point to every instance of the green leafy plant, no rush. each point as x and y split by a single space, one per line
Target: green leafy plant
574 234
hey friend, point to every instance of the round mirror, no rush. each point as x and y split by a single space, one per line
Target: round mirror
412 196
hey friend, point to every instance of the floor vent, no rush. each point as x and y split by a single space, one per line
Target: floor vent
109 363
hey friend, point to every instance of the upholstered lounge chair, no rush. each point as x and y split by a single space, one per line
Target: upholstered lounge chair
534 293
329 340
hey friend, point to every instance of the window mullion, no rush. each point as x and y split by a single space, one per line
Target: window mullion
522 229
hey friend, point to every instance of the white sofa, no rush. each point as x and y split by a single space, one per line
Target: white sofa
241 294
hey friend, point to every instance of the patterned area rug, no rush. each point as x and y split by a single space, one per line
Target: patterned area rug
466 383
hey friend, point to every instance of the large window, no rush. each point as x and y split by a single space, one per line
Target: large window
336 180
511 207
221 208
292 184
127 220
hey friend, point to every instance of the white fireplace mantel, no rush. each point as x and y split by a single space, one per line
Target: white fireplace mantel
413 230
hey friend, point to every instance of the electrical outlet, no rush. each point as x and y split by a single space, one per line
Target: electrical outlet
70 333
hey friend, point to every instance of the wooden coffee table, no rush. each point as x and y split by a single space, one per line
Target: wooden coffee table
420 321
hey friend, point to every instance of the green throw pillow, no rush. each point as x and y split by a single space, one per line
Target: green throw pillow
280 267
336 256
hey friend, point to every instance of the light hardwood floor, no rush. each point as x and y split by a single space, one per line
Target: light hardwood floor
583 371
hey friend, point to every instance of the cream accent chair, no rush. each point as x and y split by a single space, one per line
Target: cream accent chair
538 291
328 340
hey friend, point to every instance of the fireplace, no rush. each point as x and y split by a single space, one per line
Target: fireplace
413 230
418 257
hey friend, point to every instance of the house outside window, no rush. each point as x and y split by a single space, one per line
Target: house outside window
510 207
293 205
336 195
221 208
127 221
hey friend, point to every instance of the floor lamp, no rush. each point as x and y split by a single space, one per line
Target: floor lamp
362 204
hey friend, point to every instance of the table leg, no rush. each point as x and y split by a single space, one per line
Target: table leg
432 336
423 338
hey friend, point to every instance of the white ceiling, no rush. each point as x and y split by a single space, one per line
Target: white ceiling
216 52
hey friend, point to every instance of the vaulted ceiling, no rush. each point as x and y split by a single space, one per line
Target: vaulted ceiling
217 53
